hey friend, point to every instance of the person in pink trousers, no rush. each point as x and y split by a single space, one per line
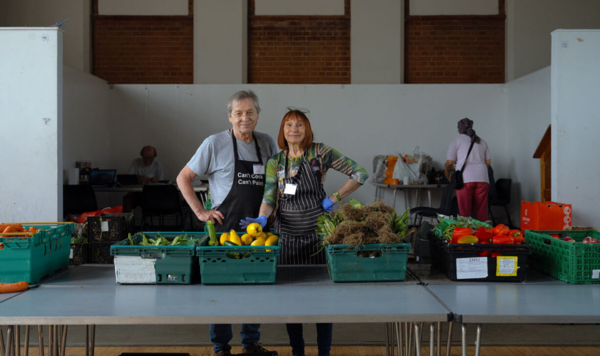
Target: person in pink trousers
473 196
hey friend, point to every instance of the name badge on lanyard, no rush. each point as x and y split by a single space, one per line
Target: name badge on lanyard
290 189
259 169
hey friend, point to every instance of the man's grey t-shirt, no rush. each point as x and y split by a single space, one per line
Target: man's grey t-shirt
215 159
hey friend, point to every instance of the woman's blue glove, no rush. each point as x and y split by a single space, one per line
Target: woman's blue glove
327 204
262 220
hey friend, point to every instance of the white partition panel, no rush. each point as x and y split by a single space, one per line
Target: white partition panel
31 124
576 122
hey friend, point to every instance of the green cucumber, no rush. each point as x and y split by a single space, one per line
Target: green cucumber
230 243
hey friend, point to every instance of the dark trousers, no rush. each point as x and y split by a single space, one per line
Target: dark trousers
324 334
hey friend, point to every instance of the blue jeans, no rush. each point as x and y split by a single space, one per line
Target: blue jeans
324 333
220 335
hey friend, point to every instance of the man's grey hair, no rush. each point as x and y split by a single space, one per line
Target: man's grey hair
241 95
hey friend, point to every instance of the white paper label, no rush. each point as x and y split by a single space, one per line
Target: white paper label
290 189
470 268
259 169
104 226
595 273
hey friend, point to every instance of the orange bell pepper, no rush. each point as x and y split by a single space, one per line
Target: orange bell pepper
470 239
503 240
500 229
516 235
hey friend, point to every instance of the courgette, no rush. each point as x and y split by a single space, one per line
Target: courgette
230 243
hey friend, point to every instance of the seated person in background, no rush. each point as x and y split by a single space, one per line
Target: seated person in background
147 169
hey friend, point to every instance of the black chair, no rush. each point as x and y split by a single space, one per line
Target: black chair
447 207
501 198
78 199
160 201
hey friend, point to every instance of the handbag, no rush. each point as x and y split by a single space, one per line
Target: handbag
458 177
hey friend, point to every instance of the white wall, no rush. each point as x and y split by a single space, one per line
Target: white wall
376 41
360 121
529 24
220 41
35 13
31 123
576 122
528 116
86 124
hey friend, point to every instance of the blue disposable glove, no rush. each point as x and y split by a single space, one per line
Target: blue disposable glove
327 204
262 220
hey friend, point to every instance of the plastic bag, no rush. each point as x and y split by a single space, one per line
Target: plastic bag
414 167
379 168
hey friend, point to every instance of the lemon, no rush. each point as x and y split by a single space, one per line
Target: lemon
247 239
224 237
233 237
254 229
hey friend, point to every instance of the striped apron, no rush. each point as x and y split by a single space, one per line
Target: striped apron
297 217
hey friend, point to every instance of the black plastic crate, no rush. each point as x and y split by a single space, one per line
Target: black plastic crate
444 256
99 252
109 227
270 353
79 254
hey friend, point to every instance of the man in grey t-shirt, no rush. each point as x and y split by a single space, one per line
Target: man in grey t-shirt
234 161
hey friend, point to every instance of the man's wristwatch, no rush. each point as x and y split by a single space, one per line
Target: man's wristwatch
337 196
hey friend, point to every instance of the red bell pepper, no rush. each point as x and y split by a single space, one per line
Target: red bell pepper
503 240
484 253
516 235
496 254
460 232
500 229
484 236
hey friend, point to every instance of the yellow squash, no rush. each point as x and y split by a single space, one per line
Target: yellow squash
258 242
272 240
233 237
247 239
224 237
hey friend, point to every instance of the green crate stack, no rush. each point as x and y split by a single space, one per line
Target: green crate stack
237 264
572 262
367 263
172 265
32 258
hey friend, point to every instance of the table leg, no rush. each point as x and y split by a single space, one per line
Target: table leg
418 339
449 340
439 338
26 341
387 339
407 339
399 338
63 343
9 340
429 197
18 340
464 339
93 340
87 343
478 340
431 339
41 340
394 199
1 342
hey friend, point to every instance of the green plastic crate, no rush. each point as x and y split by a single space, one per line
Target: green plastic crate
218 264
572 262
138 264
367 263
32 258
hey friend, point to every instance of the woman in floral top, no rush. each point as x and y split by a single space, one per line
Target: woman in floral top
294 187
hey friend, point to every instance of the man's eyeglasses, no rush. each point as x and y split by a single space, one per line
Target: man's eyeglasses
302 110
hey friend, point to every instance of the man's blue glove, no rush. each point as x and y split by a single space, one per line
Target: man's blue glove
327 204
262 220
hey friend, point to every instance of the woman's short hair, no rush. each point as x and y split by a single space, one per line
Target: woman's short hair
308 134
241 95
